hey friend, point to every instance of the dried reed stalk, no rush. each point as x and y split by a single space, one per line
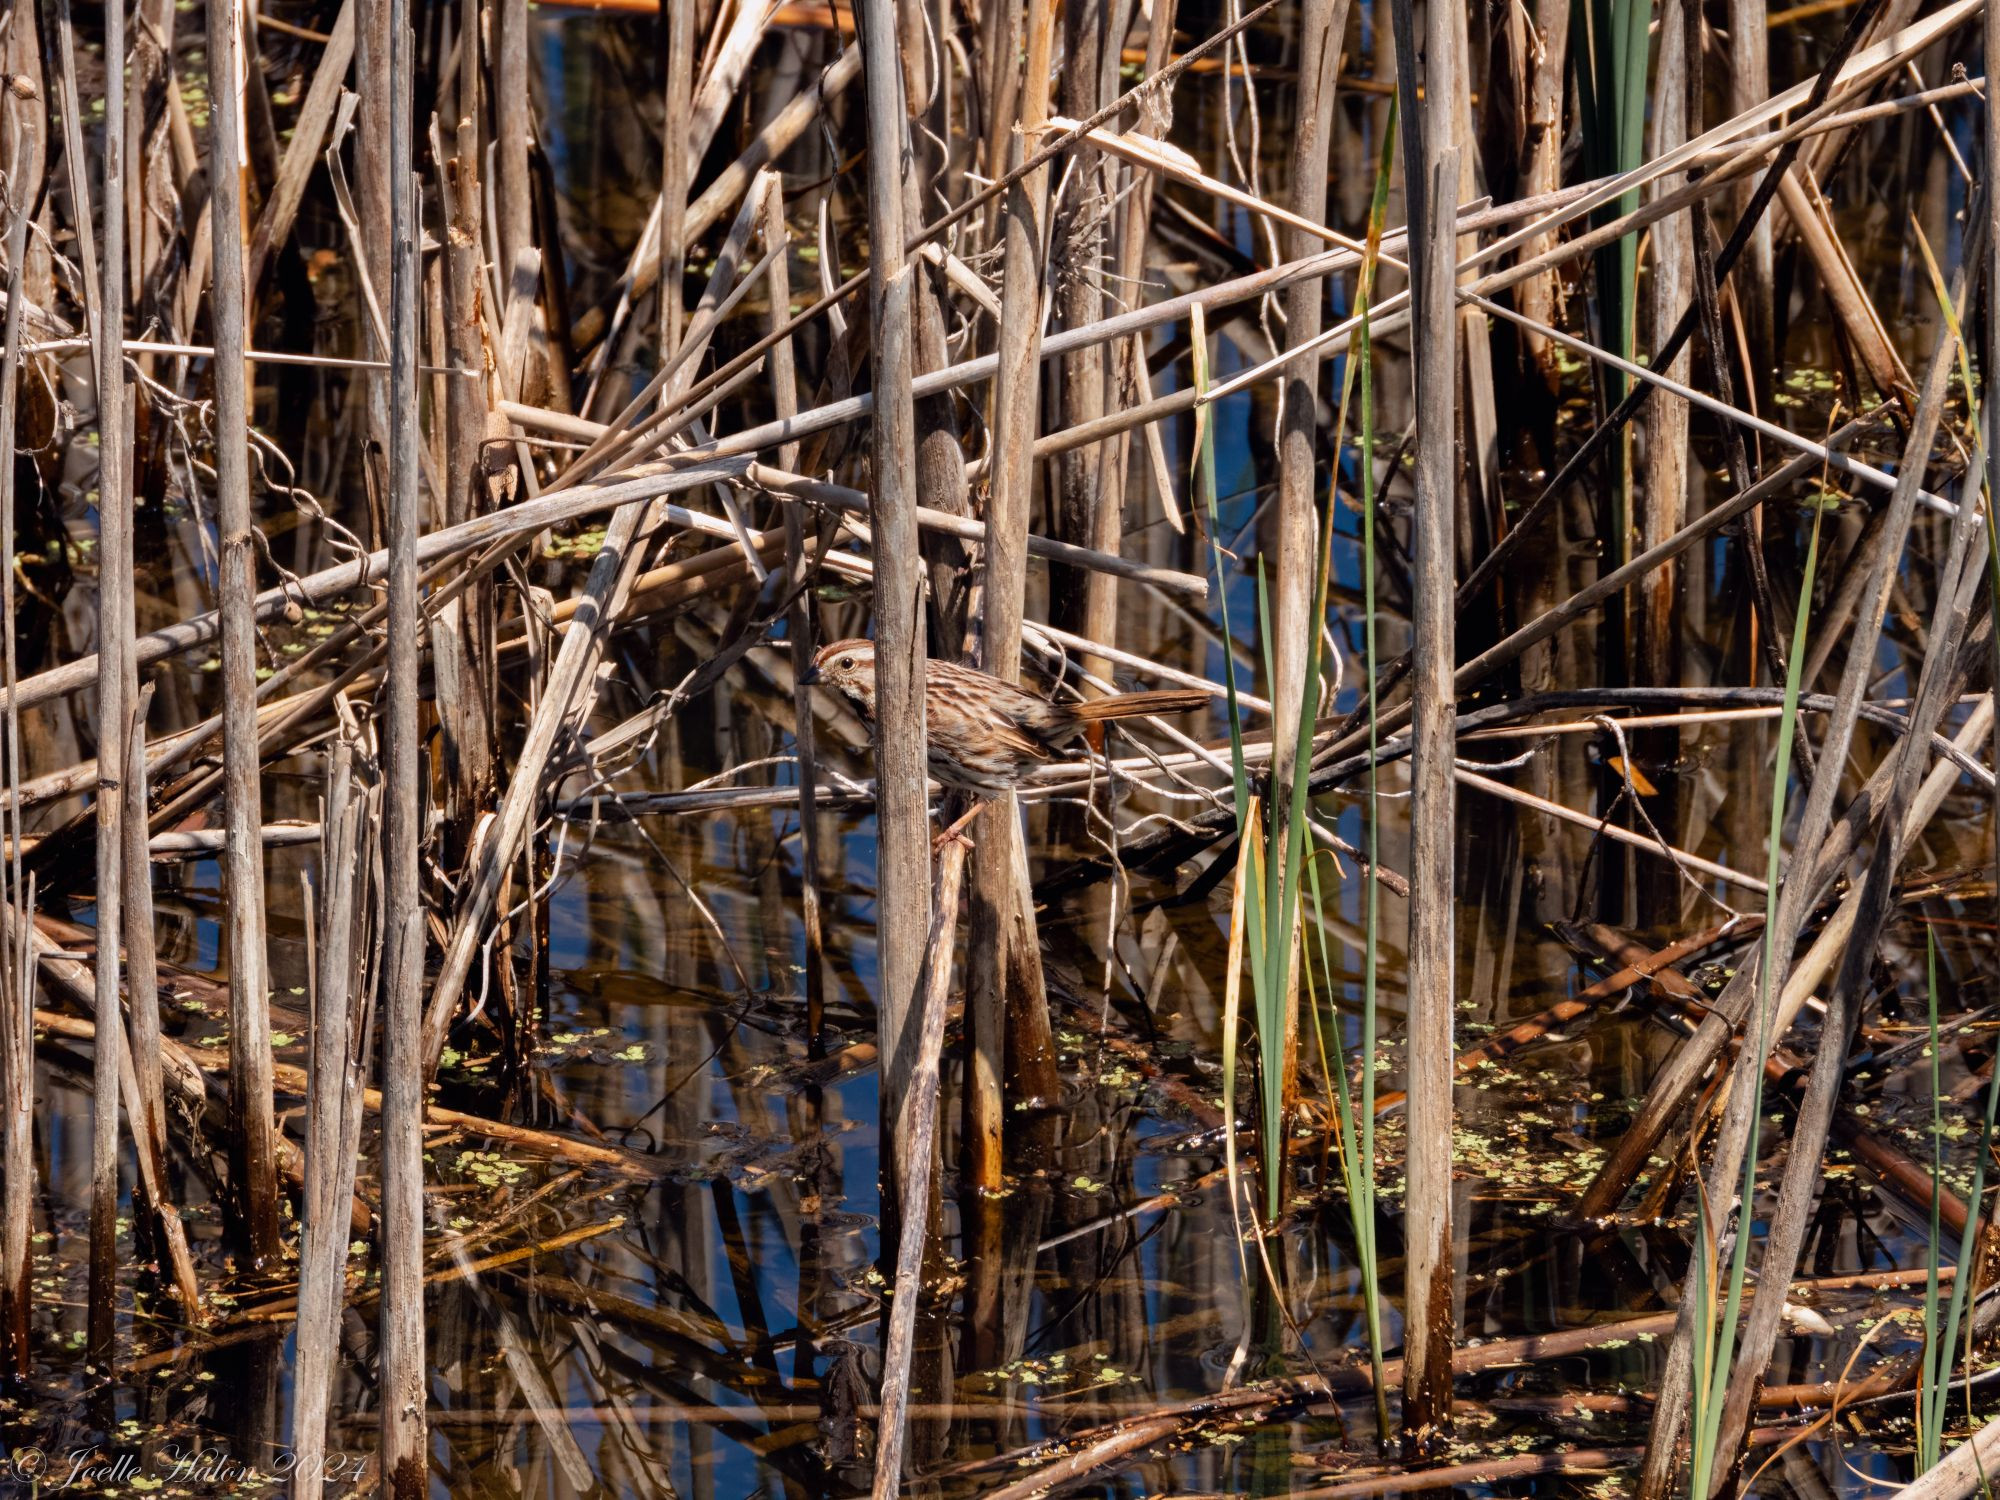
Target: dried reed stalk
116 676
903 887
1130 381
1664 494
146 1110
1431 179
1075 264
17 1059
769 187
462 647
915 1136
514 212
1540 296
677 166
370 227
253 1172
404 1367
1749 84
1008 1033
340 930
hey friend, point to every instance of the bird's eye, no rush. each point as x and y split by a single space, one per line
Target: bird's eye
846 663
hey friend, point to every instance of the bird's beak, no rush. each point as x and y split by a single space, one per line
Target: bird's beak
811 677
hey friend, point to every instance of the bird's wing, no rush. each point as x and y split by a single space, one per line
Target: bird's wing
1020 740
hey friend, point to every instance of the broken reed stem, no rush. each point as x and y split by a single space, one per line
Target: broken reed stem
1655 616
404 1364
370 229
115 677
1131 383
1542 171
1127 382
597 607
274 223
253 1170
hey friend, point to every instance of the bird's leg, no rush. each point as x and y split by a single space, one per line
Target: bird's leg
957 829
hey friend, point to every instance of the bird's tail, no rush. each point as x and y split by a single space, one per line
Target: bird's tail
1133 705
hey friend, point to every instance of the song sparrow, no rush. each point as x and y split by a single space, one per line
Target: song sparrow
985 734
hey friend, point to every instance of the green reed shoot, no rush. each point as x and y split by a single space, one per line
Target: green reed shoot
1246 874
1715 1346
1271 905
1268 888
1934 1374
1930 1377
1356 1121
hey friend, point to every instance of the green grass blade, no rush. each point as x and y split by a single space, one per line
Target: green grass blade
1712 1368
1931 1372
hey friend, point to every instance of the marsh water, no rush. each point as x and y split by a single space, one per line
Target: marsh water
709 1327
